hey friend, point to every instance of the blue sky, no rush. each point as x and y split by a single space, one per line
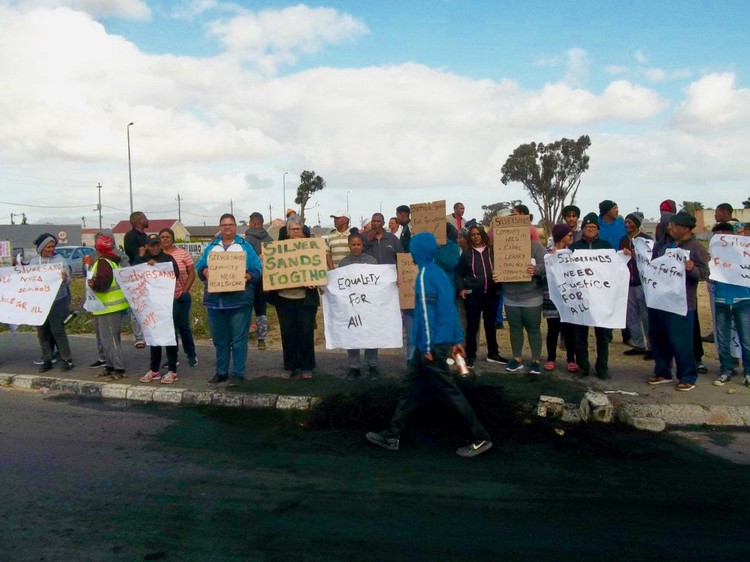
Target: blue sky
391 101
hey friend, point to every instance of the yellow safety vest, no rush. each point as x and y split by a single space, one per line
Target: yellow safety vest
113 298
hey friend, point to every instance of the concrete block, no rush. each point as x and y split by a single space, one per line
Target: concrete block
140 393
260 400
646 424
115 390
571 413
6 379
24 381
549 406
70 386
596 407
226 399
168 395
743 411
47 382
293 402
314 401
91 389
724 415
197 397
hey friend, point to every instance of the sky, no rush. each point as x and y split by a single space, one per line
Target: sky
391 102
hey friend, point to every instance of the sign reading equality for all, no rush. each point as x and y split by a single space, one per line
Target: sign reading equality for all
512 247
407 275
429 217
226 271
730 259
360 308
589 287
296 262
27 292
149 290
662 279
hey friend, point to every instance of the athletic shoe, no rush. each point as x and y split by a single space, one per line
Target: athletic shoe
685 387
659 380
41 361
218 379
572 367
169 378
496 358
98 363
702 369
140 344
105 373
470 361
390 443
549 366
535 368
514 366
723 379
603 375
307 375
45 366
193 361
261 344
352 374
474 449
635 351
746 382
235 381
150 376
67 366
374 373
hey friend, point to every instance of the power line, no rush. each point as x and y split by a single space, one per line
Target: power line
45 206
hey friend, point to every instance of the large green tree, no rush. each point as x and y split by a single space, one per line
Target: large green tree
550 173
692 206
491 210
309 184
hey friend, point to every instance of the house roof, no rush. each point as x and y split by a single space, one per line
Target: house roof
153 226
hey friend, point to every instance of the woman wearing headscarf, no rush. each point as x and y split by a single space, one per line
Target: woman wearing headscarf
52 332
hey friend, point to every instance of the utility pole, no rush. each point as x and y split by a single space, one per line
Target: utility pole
318 219
99 205
179 208
270 218
231 206
84 222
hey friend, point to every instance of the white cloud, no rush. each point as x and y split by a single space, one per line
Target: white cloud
714 103
655 74
127 9
640 57
578 66
659 74
616 70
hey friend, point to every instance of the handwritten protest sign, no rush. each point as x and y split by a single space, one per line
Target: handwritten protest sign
149 290
407 274
27 292
512 247
429 217
730 259
298 262
226 271
91 302
662 279
589 287
360 308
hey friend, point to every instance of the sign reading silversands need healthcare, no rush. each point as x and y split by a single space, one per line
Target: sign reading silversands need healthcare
149 290
589 287
662 279
27 292
226 272
360 308
730 259
297 262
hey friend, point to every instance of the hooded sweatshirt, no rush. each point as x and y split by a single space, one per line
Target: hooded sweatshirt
257 236
62 292
435 316
612 232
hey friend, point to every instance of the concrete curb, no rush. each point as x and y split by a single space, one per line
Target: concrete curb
158 394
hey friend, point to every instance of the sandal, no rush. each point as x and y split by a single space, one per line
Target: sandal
307 375
572 367
549 366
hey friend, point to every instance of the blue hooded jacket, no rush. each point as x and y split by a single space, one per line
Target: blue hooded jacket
435 315
232 299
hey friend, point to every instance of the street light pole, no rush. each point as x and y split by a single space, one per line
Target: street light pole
348 191
130 171
283 180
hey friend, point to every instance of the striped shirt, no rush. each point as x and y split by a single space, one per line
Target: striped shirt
337 246
183 259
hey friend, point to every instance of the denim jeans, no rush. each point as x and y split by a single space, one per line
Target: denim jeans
229 328
182 323
738 312
671 338
408 318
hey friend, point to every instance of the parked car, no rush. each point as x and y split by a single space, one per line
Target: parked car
75 255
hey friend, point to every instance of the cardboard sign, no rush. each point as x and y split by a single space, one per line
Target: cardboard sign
429 217
589 287
662 279
512 247
730 259
407 274
226 271
298 262
149 290
27 292
360 308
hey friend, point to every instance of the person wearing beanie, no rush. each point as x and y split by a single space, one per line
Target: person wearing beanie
637 314
668 331
52 332
590 240
611 225
562 236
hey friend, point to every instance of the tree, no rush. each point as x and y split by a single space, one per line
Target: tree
746 203
309 184
692 206
491 210
550 173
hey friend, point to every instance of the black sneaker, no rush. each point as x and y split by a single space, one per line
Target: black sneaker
514 366
45 366
702 369
390 443
535 368
218 379
374 373
474 449
192 361
67 365
98 363
470 362
496 358
352 374
635 351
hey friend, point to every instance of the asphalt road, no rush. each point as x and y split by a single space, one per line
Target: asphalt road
83 480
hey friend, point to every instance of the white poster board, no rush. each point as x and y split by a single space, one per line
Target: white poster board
662 279
27 292
92 302
150 291
589 287
361 309
730 259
